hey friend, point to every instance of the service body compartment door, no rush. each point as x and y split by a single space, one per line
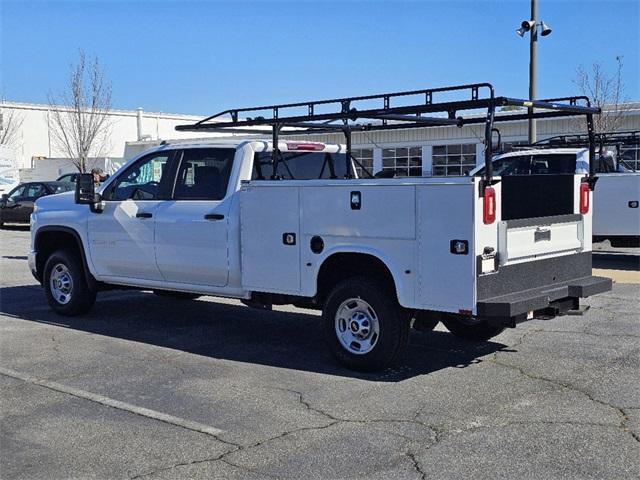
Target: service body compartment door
270 238
446 221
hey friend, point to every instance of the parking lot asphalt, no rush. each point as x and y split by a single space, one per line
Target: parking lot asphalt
158 388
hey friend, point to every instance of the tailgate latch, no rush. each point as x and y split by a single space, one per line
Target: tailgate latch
542 234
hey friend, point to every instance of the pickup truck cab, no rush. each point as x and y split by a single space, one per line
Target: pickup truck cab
288 222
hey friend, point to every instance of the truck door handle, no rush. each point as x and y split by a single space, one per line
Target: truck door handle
214 216
144 215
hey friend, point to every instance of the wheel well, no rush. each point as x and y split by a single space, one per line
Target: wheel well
49 241
341 266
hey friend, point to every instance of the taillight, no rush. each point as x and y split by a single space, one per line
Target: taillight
489 206
312 147
584 198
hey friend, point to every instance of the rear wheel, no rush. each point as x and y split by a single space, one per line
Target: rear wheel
364 326
471 328
65 284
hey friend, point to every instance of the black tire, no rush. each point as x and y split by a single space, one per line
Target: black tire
392 322
81 297
179 295
425 321
478 330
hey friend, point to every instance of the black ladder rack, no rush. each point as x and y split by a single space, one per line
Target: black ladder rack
455 105
618 140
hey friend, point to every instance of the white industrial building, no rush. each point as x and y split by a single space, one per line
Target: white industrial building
428 151
34 141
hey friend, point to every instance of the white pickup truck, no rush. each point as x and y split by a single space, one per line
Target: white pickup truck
292 225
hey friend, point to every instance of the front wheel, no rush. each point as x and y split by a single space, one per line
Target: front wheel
470 328
364 326
65 284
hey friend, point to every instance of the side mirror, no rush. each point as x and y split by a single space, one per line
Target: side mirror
86 190
5 197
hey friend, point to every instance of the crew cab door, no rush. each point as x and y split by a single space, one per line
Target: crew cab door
121 237
192 229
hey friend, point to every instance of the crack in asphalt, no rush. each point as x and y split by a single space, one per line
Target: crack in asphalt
416 465
619 410
332 421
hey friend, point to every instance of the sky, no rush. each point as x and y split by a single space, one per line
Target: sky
203 57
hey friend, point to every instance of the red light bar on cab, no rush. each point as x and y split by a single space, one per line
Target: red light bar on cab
312 147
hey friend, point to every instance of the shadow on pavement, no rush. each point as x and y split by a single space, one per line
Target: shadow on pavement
238 333
616 261
18 227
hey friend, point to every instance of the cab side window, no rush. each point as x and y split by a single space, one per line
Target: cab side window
18 193
35 190
204 174
147 179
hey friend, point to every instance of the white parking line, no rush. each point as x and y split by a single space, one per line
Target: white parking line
110 402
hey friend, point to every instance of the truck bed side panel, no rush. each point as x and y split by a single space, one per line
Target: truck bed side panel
446 280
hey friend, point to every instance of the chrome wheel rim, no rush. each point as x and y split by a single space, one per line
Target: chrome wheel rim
61 284
357 326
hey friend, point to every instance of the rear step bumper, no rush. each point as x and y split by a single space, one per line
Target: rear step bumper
561 297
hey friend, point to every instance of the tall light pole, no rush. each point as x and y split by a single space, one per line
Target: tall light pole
532 26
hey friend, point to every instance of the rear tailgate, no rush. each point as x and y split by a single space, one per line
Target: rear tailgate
540 218
543 252
529 239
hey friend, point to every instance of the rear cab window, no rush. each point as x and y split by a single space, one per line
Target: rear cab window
302 165
204 173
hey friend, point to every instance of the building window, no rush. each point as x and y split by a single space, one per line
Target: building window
364 156
631 157
406 162
453 160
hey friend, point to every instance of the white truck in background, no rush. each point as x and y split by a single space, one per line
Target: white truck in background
288 222
616 212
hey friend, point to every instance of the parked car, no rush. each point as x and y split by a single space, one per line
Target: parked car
73 177
17 205
274 222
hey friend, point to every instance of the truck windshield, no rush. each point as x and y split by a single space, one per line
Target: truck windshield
300 166
527 164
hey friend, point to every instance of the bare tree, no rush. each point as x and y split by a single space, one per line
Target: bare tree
79 114
10 124
605 91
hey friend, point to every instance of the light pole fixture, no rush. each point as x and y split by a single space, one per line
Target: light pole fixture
533 27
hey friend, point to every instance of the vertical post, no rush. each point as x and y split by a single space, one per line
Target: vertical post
533 47
275 152
592 149
139 122
488 148
347 134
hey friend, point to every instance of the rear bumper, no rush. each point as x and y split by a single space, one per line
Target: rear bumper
521 303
